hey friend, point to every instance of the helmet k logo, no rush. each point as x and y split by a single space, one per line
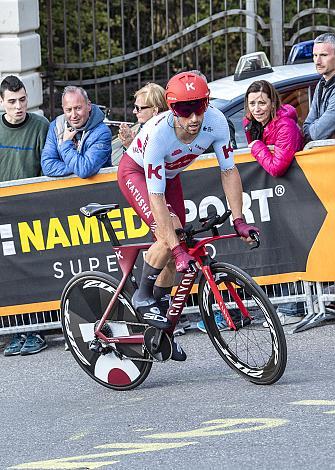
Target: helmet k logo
190 86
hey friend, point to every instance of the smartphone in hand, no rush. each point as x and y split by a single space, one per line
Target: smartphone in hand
70 128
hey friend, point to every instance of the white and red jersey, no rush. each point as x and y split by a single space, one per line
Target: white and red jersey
157 149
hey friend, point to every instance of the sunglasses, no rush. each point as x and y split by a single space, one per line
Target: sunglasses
186 108
140 108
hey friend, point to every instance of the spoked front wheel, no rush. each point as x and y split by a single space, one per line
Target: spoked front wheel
257 349
84 301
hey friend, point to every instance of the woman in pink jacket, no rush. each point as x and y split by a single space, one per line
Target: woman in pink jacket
267 122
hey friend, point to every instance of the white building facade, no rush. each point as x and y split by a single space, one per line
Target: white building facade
20 49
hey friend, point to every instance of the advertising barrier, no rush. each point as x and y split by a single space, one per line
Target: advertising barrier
45 240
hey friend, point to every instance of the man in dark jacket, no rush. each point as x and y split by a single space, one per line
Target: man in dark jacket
320 122
78 141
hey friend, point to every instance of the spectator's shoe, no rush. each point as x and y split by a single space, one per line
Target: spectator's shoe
15 346
286 319
182 325
219 320
330 308
33 344
150 313
178 354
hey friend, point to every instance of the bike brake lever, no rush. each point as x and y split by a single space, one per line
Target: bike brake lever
255 236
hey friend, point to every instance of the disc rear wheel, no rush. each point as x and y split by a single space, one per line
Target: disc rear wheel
84 301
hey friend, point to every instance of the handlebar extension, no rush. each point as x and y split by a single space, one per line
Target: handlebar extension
212 221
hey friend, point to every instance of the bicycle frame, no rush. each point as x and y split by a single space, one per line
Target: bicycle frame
127 255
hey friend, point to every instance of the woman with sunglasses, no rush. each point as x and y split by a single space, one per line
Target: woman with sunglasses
267 122
149 101
148 177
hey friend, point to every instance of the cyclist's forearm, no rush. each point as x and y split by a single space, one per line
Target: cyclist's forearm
232 187
161 214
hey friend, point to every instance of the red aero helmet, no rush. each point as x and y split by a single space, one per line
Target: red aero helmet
185 86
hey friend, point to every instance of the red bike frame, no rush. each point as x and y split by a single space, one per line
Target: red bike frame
127 255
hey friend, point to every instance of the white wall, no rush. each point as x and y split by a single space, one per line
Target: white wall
20 49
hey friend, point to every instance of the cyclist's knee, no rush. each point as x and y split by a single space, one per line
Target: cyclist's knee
171 265
176 222
161 245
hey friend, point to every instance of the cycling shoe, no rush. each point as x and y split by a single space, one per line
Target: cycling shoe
178 354
151 313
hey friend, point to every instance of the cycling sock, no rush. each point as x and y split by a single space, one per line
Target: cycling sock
148 279
162 296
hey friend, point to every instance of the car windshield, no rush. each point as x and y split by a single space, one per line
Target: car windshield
218 103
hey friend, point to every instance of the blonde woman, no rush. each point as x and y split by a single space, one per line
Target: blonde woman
149 101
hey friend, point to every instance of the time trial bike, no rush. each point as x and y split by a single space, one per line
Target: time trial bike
112 344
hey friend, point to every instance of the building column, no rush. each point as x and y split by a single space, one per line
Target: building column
277 32
250 24
20 49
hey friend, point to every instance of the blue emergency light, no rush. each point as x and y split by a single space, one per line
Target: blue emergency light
301 52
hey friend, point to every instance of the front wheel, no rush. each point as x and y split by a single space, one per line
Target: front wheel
84 301
257 349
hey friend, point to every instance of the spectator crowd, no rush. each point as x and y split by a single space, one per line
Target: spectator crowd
79 142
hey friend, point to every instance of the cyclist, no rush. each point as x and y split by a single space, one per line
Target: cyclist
148 177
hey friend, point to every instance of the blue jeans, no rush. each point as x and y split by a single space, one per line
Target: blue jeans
292 308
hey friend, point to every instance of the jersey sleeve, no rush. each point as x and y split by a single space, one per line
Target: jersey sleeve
154 161
222 146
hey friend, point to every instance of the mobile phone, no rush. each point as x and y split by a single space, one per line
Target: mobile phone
71 129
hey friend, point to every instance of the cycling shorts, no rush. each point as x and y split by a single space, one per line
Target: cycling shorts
131 179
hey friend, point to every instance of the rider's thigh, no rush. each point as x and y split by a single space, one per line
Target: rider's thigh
132 183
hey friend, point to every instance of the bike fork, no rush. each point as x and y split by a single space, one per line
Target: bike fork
222 306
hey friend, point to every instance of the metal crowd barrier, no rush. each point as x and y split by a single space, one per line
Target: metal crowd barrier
314 295
29 322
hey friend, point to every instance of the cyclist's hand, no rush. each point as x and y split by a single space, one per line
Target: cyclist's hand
243 229
182 259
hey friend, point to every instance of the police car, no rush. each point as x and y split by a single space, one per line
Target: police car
295 83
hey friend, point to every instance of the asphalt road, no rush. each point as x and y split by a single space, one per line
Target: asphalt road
192 415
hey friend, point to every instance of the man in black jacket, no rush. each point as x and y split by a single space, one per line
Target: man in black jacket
320 122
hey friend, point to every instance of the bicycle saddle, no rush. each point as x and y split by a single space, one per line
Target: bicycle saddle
94 208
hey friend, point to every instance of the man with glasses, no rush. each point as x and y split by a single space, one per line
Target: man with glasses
149 179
